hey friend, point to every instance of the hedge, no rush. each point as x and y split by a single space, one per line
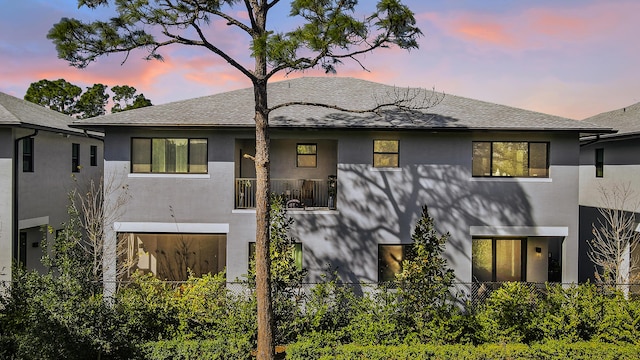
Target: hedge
304 350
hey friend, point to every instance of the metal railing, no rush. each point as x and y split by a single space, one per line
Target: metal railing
299 193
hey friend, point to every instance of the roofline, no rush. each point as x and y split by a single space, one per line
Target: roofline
45 128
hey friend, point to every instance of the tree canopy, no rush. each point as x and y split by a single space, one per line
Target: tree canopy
323 34
67 98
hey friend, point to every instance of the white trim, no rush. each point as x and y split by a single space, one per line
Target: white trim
512 179
312 211
171 227
243 211
383 169
171 176
519 230
33 222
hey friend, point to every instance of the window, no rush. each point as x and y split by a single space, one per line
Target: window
510 159
93 155
75 157
168 155
599 163
296 255
386 153
307 155
172 256
390 259
497 260
27 154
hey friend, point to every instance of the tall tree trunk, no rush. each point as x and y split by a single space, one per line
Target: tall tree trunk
263 191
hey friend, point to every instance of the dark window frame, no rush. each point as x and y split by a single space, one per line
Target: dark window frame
28 145
93 155
150 152
75 157
599 162
396 153
298 154
491 159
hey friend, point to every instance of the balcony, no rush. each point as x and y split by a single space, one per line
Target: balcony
298 193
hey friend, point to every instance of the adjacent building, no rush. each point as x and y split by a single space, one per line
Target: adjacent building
609 162
41 160
502 181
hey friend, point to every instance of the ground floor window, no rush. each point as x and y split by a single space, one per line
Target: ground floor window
533 259
390 259
172 256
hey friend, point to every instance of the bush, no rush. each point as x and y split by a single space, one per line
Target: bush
222 347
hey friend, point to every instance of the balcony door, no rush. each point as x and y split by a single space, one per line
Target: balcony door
498 260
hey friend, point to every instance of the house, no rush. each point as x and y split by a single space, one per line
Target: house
502 181
609 161
39 153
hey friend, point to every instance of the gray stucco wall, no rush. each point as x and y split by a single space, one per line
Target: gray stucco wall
375 206
6 202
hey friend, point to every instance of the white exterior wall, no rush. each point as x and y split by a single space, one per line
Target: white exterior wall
6 203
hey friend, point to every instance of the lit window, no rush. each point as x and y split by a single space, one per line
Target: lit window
27 154
172 256
390 259
510 159
496 260
168 155
600 163
307 155
75 157
386 153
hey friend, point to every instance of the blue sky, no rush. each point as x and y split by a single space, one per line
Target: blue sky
571 58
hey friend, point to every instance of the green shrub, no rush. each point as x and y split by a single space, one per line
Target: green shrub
222 347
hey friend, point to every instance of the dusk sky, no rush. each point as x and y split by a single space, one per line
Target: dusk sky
573 58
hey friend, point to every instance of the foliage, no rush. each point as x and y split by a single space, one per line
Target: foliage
286 276
67 98
510 314
125 98
426 279
307 350
222 347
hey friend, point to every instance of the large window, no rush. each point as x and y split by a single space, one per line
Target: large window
510 159
168 155
386 153
172 256
496 260
296 254
75 157
599 163
307 155
27 154
390 259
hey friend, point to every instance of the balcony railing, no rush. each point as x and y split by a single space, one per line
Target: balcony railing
298 193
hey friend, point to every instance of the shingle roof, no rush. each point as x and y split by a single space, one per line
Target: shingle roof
625 120
18 112
235 109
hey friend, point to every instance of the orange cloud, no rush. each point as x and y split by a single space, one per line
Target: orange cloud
484 32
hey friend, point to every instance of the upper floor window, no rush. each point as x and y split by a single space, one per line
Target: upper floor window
386 153
510 159
27 154
600 163
93 155
168 155
75 157
307 155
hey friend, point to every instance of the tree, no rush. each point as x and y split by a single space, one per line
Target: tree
92 102
125 98
58 95
613 247
67 98
426 279
329 32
